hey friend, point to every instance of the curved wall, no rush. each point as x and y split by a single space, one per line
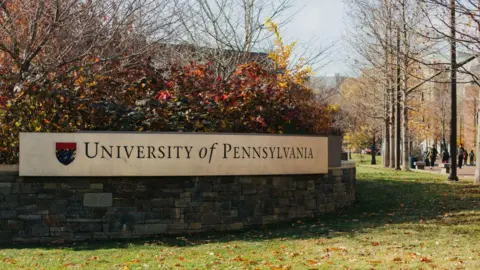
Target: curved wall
51 209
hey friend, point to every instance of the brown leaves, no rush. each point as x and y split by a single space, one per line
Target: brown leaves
425 260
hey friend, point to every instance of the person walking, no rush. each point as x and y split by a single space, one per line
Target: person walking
460 152
433 157
472 157
445 156
425 157
465 157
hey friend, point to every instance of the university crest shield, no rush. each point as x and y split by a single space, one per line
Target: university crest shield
66 152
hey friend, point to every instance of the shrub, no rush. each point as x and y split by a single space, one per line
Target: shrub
187 99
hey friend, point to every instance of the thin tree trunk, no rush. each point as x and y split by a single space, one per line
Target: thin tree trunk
397 108
373 150
453 77
477 149
477 145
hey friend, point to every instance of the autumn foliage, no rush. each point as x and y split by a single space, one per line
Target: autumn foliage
175 99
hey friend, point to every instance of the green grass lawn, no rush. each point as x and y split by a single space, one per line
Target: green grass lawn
402 220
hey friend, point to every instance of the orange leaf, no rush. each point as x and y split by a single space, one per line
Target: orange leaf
375 244
397 259
238 259
425 260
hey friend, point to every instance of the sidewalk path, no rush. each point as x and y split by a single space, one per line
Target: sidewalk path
465 171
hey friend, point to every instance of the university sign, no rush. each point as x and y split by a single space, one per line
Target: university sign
170 154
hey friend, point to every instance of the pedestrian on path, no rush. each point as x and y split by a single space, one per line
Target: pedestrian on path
465 157
472 157
460 152
426 155
433 156
445 156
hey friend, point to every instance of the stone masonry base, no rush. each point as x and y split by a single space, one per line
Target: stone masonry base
59 209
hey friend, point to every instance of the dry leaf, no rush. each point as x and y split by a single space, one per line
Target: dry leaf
425 260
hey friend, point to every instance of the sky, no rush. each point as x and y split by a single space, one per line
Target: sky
321 21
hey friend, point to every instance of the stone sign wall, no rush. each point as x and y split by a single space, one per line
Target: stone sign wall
170 154
58 209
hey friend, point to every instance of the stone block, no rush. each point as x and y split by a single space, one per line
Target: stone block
96 186
269 219
249 189
50 186
6 178
39 231
56 206
195 226
58 229
26 199
244 179
45 196
330 208
23 188
150 228
311 204
97 199
211 218
337 172
5 188
8 214
54 220
235 226
27 209
5 236
12 225
182 202
84 220
311 185
29 217
162 202
177 227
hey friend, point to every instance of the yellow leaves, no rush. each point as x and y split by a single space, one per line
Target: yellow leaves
281 58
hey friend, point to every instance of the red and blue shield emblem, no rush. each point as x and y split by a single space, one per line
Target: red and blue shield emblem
66 152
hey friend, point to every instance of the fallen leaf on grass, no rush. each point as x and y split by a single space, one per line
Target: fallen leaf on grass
10 261
238 259
397 259
375 244
425 260
311 262
375 262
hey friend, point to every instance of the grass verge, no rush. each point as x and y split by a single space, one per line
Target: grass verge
402 220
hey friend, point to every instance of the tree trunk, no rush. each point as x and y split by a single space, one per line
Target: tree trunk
453 77
386 143
477 150
397 107
405 151
373 151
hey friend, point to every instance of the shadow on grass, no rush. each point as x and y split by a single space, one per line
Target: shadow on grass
383 198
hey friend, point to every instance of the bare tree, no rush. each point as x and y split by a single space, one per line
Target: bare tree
39 37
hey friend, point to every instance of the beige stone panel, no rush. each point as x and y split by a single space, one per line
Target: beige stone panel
38 156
